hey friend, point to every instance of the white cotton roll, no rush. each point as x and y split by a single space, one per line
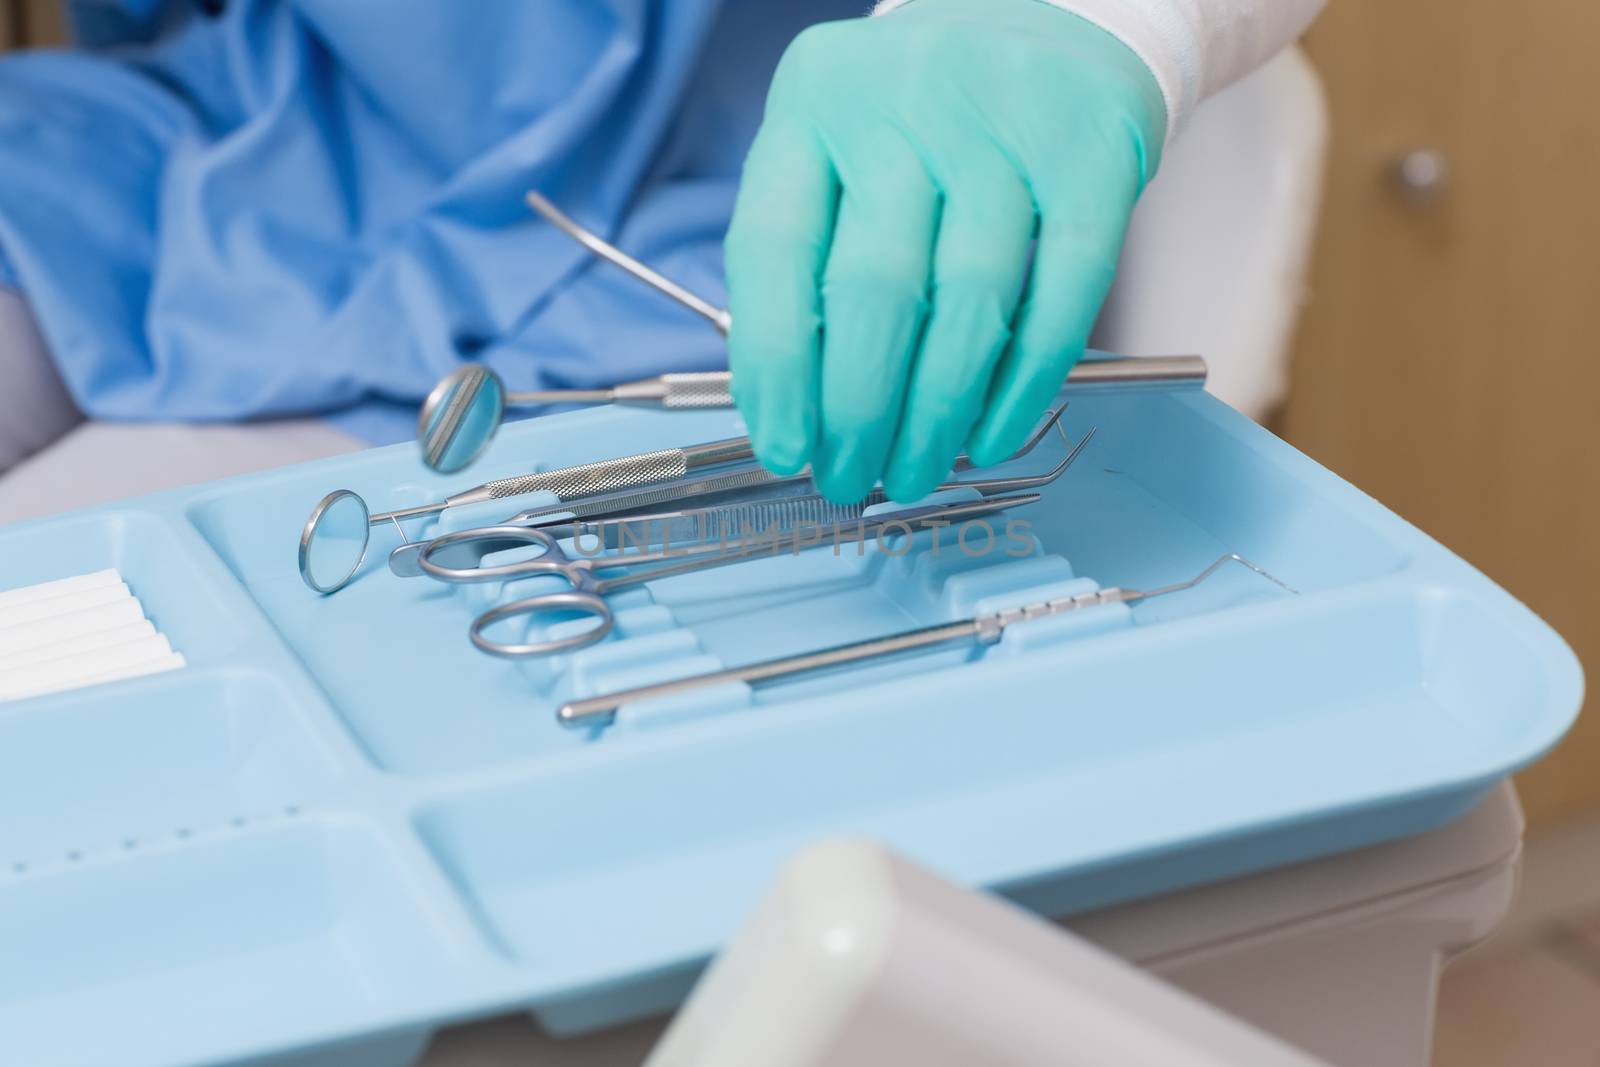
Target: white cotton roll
26 636
74 669
66 604
74 646
45 590
171 662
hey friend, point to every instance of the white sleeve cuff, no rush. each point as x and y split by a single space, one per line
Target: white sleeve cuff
1193 47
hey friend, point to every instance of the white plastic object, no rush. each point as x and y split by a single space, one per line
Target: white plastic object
60 587
76 646
79 668
137 668
859 958
1220 245
68 603
27 636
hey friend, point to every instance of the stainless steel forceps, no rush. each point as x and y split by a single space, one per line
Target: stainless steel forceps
746 487
587 595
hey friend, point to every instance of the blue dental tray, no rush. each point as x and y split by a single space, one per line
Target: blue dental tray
341 827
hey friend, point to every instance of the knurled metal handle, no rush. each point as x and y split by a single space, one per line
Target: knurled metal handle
688 389
706 389
606 476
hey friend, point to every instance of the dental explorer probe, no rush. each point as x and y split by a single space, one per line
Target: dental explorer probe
983 629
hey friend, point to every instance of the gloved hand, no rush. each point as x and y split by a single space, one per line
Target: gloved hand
881 243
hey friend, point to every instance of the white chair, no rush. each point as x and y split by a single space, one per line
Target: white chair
1219 248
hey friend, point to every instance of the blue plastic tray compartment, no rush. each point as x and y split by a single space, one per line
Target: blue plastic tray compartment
102 773
181 845
342 826
581 865
216 947
165 563
196 751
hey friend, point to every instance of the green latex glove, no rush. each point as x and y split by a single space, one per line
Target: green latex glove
881 242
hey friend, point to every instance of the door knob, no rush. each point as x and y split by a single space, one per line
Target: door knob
1421 174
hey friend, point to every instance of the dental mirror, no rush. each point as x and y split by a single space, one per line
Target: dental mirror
334 541
460 417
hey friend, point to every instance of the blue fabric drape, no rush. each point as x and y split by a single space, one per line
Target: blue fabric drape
264 207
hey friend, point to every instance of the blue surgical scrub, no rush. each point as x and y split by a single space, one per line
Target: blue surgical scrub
229 210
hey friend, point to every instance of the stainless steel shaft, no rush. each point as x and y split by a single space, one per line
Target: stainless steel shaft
683 391
986 629
591 479
601 710
611 253
981 628
710 389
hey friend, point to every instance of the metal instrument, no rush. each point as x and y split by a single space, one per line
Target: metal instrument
979 629
724 488
334 540
684 528
464 411
460 416
722 517
718 317
587 595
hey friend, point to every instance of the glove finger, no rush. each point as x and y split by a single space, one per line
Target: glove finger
1081 228
874 299
980 264
774 255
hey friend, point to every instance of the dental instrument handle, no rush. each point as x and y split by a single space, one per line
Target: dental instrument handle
710 389
609 475
687 389
983 629
602 710
1120 372
609 252
692 389
590 479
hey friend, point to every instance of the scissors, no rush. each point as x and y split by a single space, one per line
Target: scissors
587 595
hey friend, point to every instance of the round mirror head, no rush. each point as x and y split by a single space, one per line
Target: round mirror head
334 541
460 417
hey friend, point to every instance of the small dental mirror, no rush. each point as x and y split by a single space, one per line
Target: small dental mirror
460 417
334 541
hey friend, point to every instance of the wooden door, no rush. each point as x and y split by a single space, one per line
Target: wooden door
1447 361
32 22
